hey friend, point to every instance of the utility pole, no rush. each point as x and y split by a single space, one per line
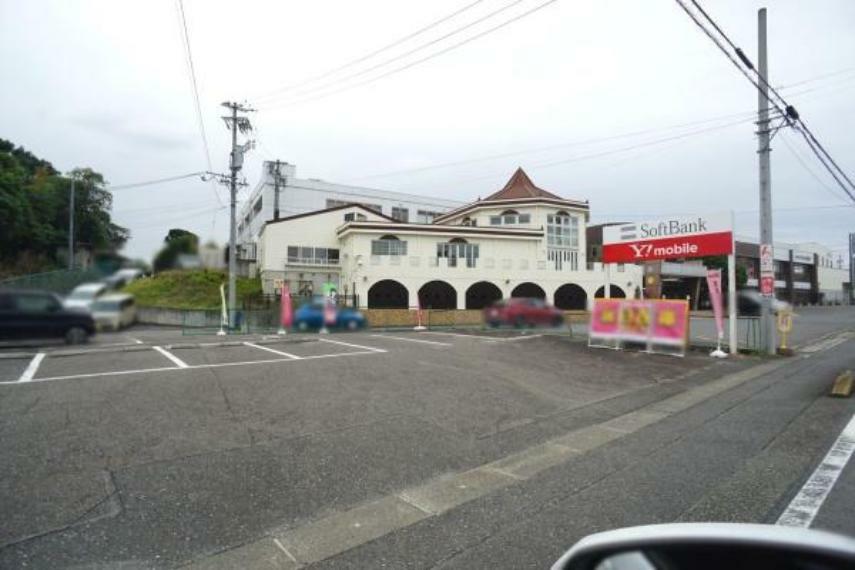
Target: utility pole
276 179
767 274
235 123
71 225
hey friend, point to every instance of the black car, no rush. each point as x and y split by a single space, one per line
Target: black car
36 314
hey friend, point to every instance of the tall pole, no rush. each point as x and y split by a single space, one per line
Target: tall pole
276 190
234 166
71 225
763 139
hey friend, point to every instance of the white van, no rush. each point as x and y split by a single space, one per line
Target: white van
114 311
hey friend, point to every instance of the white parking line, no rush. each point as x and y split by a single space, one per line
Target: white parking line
134 340
461 334
32 367
279 352
434 342
198 366
805 506
371 348
178 362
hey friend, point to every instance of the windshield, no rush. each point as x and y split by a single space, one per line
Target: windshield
108 305
83 294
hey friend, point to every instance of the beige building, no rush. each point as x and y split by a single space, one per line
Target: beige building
521 241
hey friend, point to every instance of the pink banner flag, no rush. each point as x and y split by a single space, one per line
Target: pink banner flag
286 316
714 284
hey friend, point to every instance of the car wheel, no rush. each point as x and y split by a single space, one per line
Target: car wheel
493 324
352 325
76 335
520 322
557 322
302 326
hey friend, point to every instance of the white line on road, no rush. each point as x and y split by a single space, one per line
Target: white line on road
31 369
352 345
434 342
198 366
134 340
805 506
177 361
274 351
461 334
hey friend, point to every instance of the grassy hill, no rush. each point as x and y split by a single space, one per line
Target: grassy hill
188 289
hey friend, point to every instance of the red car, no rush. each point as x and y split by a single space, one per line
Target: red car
522 312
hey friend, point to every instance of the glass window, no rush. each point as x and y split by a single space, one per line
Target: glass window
524 218
509 219
401 214
36 303
495 220
388 247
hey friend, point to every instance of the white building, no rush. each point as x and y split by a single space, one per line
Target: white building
300 195
521 241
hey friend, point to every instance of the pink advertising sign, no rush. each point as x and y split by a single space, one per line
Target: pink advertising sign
670 322
604 318
653 322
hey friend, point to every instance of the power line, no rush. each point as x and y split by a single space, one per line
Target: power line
401 56
192 70
789 112
373 53
422 60
807 168
155 181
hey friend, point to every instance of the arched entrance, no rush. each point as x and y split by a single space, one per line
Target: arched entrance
617 292
529 290
482 294
437 295
388 294
571 297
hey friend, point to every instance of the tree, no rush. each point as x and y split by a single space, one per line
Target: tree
34 209
177 242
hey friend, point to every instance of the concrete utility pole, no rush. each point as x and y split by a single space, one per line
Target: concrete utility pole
235 123
71 225
276 179
763 139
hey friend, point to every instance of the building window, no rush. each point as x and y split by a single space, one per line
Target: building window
458 249
401 214
524 218
495 220
388 245
425 216
336 203
256 208
305 255
562 230
509 217
354 217
467 221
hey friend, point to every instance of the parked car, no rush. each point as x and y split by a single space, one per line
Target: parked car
114 311
521 312
311 316
749 303
30 315
84 295
122 277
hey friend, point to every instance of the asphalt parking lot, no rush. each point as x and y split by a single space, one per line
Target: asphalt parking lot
156 449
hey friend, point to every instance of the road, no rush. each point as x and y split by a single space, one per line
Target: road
398 450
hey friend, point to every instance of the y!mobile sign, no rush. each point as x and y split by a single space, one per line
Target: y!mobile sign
695 236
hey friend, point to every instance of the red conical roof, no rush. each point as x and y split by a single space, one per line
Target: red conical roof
521 186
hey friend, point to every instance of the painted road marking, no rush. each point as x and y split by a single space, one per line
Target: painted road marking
177 361
463 335
32 367
434 342
827 343
196 366
134 340
274 351
521 336
805 506
359 346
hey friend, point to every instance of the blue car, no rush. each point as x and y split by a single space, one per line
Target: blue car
311 316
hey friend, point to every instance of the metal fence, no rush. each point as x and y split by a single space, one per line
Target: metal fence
60 281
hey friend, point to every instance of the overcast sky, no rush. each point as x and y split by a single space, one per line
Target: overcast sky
105 84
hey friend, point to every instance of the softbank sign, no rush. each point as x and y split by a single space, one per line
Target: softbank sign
695 236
